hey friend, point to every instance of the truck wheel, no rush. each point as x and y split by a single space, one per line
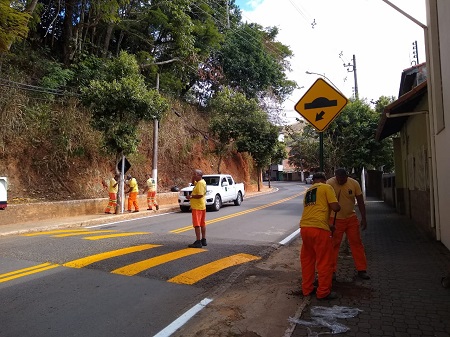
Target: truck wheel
238 200
184 208
217 203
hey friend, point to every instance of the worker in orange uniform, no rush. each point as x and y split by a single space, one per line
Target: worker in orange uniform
133 191
317 241
348 190
151 193
112 186
198 207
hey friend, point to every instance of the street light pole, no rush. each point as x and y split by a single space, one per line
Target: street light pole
323 75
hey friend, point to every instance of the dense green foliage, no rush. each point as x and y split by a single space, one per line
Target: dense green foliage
253 62
120 101
13 24
124 60
238 123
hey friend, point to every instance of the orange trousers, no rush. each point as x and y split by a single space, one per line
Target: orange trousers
132 201
198 218
151 199
317 251
350 226
111 208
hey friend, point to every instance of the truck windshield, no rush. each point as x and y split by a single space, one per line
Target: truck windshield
212 181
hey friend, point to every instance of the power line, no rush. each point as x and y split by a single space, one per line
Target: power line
34 88
303 13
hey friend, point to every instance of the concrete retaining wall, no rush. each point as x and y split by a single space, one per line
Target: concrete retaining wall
23 213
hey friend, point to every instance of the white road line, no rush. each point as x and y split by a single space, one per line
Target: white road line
180 321
290 237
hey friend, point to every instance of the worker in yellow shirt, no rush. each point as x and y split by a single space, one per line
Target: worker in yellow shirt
348 191
317 242
198 207
112 186
133 191
151 193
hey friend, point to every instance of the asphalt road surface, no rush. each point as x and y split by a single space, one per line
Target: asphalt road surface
135 277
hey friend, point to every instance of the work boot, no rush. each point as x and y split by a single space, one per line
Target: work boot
196 244
331 296
363 275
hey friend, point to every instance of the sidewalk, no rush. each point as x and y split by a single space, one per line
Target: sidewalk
77 221
404 297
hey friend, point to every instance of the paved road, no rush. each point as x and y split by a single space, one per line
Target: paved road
134 277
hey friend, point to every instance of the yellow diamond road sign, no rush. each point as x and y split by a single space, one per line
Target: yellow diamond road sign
321 104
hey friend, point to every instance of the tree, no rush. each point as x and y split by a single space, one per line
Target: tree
238 123
228 110
353 137
120 101
13 25
255 64
304 149
260 138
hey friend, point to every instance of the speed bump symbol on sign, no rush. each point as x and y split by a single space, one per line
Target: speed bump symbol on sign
321 104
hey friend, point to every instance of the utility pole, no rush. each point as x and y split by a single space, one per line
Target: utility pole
353 69
121 192
415 53
155 142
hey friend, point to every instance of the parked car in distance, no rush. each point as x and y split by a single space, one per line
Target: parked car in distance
309 179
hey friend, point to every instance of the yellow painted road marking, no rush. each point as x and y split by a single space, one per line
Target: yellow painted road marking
80 263
136 268
109 236
197 274
26 271
82 233
55 232
208 222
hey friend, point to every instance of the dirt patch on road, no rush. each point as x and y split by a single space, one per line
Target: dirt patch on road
258 304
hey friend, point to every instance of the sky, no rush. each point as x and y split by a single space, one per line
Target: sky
325 34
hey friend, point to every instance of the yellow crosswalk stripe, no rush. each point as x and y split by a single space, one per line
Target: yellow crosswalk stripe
190 277
80 263
136 268
194 275
82 233
208 222
27 271
57 231
109 236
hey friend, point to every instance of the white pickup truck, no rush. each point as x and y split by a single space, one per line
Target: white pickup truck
220 189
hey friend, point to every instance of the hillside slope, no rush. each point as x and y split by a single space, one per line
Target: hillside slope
38 168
